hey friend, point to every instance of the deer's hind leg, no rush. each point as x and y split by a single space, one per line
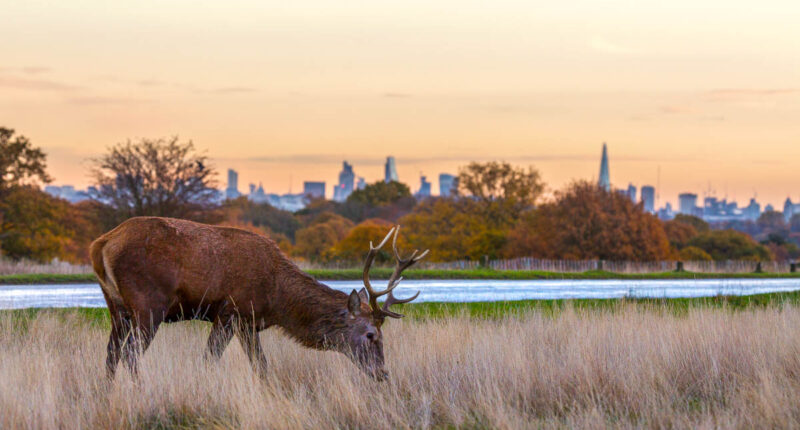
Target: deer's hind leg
120 332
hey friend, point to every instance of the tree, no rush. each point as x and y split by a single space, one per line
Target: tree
587 222
315 241
262 215
693 253
156 177
730 245
380 193
679 233
772 222
386 200
36 226
697 223
500 180
20 160
353 248
456 228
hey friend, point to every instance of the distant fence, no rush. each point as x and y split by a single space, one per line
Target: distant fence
569 266
8 267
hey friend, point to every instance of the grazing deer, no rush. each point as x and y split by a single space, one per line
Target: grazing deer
155 270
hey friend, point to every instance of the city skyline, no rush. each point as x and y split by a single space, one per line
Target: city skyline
282 92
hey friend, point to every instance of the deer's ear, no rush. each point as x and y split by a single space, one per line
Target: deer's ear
363 294
354 303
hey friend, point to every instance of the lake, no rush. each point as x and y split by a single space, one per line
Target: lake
89 295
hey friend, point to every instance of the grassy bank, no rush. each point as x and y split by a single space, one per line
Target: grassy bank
494 310
384 273
632 367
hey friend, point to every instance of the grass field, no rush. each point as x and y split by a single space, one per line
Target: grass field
384 273
715 362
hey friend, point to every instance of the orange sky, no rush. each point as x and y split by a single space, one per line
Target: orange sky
709 91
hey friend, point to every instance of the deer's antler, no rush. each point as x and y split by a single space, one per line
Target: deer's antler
394 280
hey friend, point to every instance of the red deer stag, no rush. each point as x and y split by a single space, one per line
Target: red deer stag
155 270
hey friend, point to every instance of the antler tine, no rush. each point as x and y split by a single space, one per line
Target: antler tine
373 251
402 264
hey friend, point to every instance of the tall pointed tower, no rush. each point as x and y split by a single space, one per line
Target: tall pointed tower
604 182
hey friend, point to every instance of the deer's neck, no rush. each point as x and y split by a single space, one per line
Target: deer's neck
311 312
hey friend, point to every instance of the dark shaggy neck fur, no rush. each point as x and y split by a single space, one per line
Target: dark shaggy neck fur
312 313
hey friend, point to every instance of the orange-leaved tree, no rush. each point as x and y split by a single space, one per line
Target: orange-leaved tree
585 221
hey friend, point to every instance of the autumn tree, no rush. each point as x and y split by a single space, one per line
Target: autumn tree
315 241
456 229
693 253
386 200
354 247
730 245
772 222
586 222
156 177
37 226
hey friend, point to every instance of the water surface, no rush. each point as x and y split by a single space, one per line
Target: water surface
89 295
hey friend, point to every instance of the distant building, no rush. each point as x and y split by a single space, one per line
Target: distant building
604 180
232 191
314 190
752 211
790 209
447 184
687 203
632 192
361 184
666 212
649 198
346 182
769 208
390 170
424 188
257 194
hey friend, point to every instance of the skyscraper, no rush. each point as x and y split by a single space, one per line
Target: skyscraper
632 192
687 203
447 184
346 182
232 191
390 170
604 182
361 183
424 188
314 190
649 198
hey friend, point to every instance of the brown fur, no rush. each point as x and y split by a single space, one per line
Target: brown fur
155 270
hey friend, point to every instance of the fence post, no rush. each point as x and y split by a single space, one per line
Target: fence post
793 267
679 266
599 265
758 268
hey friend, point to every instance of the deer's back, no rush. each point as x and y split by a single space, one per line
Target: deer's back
149 261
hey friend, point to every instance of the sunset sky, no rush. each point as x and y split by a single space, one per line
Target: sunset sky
707 91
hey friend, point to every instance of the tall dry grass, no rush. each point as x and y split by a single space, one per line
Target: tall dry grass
632 367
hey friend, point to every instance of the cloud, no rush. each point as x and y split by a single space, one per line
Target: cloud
99 100
727 94
36 70
35 84
674 109
603 45
396 95
234 90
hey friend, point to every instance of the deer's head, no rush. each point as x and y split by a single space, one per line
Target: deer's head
362 339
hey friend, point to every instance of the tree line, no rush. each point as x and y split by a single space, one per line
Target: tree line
497 210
